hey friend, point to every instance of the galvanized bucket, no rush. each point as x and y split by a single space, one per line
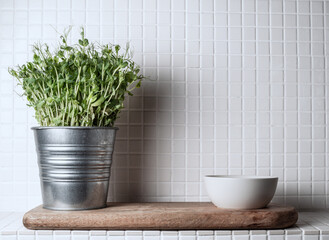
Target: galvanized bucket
74 165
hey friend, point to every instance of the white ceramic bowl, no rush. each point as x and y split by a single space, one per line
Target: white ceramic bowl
240 192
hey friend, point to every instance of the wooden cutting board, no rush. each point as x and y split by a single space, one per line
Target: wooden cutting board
161 216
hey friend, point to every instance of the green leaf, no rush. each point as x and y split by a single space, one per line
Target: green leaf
36 58
117 48
98 102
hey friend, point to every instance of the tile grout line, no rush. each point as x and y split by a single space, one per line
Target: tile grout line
284 156
115 195
270 92
284 110
311 97
325 97
297 77
27 50
142 117
228 117
214 93
200 103
186 104
256 91
243 148
172 107
129 157
13 100
100 22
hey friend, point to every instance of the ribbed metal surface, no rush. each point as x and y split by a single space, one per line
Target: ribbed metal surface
74 164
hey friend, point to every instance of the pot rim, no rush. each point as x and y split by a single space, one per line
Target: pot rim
72 127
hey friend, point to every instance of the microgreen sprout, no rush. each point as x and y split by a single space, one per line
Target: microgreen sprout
78 85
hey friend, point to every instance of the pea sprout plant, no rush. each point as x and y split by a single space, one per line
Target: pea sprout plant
78 85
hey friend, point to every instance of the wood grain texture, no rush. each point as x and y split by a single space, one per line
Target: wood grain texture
161 216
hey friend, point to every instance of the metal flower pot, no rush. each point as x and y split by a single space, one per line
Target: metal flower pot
74 165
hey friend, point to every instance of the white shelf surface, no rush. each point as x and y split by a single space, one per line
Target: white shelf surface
312 225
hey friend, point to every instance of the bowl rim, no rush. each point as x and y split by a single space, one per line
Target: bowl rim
239 177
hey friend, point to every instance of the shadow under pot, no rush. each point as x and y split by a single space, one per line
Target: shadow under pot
74 166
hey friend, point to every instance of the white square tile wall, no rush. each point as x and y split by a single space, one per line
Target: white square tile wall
238 87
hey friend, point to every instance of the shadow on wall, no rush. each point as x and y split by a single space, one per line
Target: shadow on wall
134 168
